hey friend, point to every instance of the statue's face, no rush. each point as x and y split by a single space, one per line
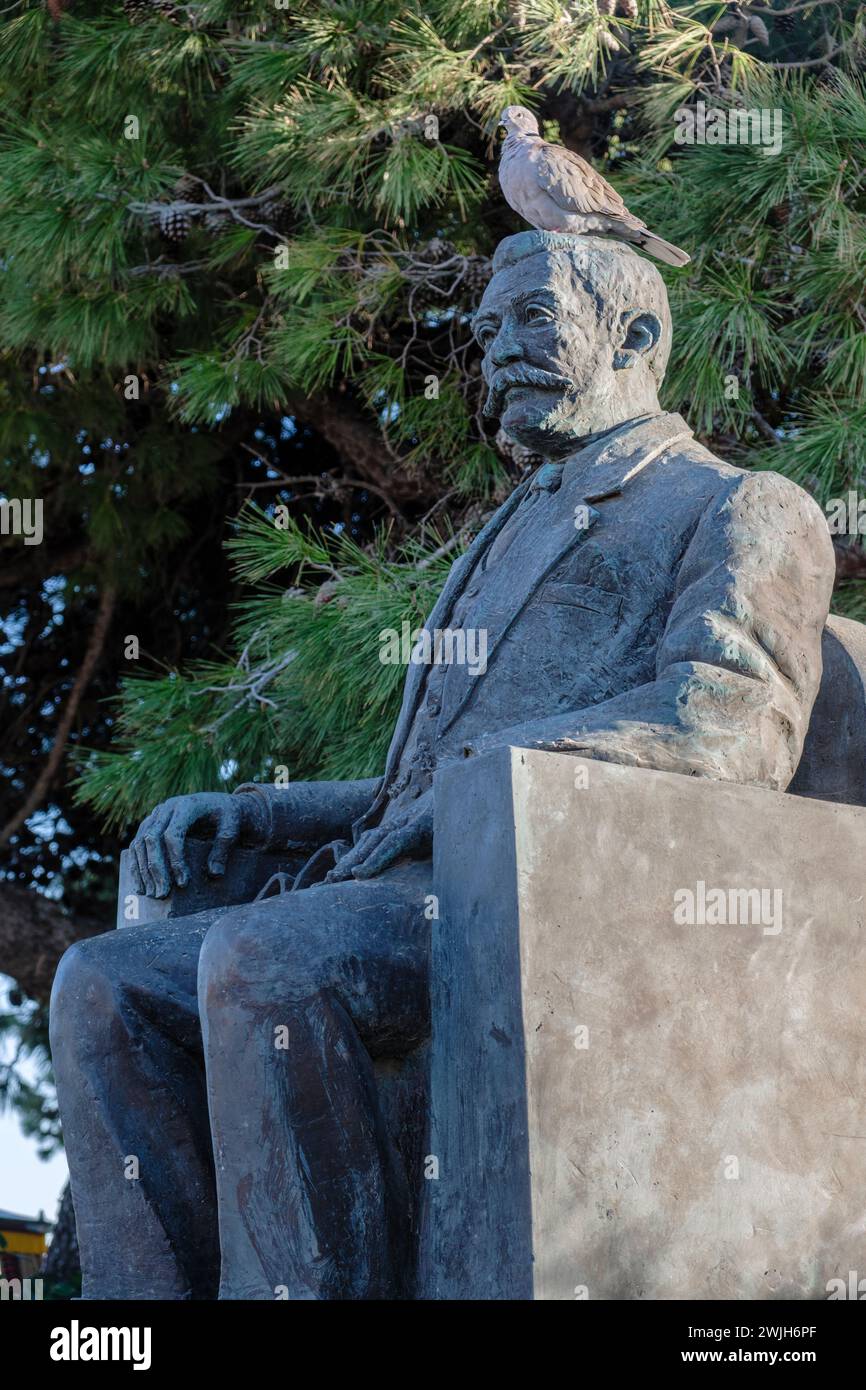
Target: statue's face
548 362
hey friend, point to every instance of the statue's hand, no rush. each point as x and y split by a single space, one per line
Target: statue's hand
409 835
158 852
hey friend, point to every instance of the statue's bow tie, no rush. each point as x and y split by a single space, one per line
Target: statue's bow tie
547 479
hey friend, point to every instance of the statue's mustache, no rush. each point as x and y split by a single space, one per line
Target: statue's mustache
522 375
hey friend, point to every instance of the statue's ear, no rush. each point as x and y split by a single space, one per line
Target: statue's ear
641 331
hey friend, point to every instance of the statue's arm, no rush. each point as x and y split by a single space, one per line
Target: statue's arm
269 817
739 663
307 812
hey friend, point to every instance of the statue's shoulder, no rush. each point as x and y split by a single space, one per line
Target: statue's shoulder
741 486
689 472
759 502
689 453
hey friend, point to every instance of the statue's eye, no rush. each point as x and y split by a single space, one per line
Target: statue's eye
537 313
485 335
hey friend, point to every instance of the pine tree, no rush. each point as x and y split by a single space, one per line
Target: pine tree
227 229
296 209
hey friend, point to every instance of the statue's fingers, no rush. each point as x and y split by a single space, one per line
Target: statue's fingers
139 857
228 831
182 818
135 873
341 871
157 864
397 842
357 852
153 857
338 874
356 855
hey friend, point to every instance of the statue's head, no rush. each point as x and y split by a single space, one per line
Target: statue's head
576 333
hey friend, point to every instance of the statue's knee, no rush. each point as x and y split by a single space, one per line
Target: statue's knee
247 959
227 963
84 998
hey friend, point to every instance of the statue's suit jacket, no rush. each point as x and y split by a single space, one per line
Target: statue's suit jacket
671 618
668 614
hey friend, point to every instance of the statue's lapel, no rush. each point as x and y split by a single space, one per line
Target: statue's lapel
597 472
507 601
451 591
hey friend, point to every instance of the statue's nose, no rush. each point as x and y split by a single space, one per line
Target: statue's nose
504 349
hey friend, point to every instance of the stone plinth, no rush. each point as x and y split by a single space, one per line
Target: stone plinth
631 1099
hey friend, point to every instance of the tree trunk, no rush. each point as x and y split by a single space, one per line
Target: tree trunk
34 933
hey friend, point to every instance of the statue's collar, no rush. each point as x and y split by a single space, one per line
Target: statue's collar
603 465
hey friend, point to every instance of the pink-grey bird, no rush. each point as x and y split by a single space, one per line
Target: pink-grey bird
554 190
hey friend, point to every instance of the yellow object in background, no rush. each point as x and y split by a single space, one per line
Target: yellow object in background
22 1244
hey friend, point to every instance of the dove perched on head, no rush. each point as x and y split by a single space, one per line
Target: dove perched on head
555 190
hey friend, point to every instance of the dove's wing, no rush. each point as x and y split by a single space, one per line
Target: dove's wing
576 187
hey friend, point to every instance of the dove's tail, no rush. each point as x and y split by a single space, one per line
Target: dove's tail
658 247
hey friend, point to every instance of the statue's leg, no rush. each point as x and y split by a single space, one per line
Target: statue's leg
126 1046
296 993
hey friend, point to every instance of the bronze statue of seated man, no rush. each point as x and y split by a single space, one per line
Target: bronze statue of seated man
643 602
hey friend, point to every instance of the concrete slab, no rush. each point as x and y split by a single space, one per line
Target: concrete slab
634 1096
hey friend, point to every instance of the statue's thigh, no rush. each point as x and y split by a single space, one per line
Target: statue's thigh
364 944
137 973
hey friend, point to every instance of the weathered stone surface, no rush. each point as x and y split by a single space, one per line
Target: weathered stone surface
708 1139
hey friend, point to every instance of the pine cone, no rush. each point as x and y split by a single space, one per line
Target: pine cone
735 24
187 188
168 10
626 9
516 454
478 272
436 250
215 221
174 223
136 10
275 211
